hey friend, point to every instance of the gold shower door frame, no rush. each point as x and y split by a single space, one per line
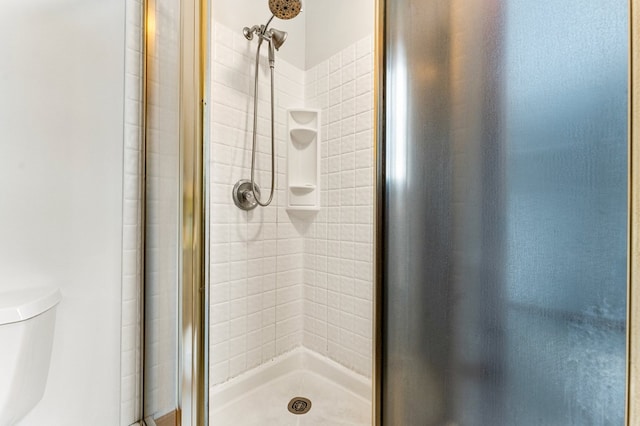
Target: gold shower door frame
633 291
192 292
193 266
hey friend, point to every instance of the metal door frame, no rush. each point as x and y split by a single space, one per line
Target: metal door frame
193 271
633 289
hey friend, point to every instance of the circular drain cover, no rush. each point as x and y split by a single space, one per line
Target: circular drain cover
299 405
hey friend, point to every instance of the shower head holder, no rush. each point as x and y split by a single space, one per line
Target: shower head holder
273 35
249 32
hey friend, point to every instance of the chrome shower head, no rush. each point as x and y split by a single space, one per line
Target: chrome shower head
285 9
277 37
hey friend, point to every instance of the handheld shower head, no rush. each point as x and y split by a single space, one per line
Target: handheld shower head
285 9
277 38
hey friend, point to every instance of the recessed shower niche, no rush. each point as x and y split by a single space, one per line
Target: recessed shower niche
303 160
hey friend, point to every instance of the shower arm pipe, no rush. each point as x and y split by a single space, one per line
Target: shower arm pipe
263 34
255 130
266 26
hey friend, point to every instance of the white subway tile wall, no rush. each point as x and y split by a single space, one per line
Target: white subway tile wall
338 247
257 256
279 281
132 217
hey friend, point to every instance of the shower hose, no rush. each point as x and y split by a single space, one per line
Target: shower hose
255 133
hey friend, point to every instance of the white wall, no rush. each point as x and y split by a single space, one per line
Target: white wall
332 25
61 128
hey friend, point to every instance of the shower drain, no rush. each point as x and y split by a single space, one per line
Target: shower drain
299 405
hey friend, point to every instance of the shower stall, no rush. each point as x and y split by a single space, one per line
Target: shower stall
291 280
289 261
498 294
445 223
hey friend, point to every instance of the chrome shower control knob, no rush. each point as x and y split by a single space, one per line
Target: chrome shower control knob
248 196
243 195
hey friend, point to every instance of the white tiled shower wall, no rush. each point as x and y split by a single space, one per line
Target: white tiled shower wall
257 256
279 281
338 262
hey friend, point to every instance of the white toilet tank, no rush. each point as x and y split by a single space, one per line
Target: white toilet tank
27 322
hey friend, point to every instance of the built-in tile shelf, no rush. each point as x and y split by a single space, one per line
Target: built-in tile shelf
304 116
303 160
307 187
303 135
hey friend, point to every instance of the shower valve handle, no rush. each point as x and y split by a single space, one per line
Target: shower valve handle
245 193
248 195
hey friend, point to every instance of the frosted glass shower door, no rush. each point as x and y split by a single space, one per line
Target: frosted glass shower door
162 240
505 218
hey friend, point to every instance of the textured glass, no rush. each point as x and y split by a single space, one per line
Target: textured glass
506 212
162 238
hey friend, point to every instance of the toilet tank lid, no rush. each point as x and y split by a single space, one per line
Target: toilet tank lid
22 304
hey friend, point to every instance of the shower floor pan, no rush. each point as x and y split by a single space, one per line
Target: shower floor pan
260 397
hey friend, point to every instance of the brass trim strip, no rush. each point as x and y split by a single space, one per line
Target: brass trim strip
172 418
143 206
633 297
193 368
378 229
205 77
